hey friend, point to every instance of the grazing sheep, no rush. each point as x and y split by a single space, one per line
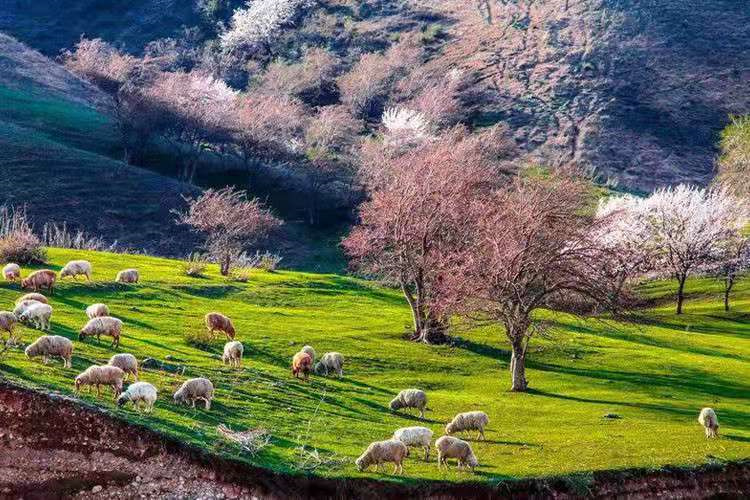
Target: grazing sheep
381 452
331 362
126 363
415 436
38 314
12 272
128 276
309 350
469 421
195 389
233 354
8 322
301 363
106 325
44 278
51 345
710 422
76 268
139 392
101 375
452 447
410 398
33 296
23 305
218 322
97 311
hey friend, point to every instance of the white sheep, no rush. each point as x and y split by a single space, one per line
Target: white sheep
37 314
195 389
468 421
452 447
97 311
33 296
105 325
415 436
51 345
381 452
101 375
309 350
77 268
710 422
8 322
330 362
128 276
410 398
139 392
12 272
125 362
23 305
233 354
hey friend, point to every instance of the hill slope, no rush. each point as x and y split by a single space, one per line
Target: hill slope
655 376
638 90
57 155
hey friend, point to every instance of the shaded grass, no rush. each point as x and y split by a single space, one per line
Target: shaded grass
655 374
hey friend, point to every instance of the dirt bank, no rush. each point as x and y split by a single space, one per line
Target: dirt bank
56 447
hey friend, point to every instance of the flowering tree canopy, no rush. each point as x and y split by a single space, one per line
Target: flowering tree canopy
686 229
257 24
230 222
530 244
418 212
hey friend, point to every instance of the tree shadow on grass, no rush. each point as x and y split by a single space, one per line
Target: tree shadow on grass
643 339
734 437
681 379
482 349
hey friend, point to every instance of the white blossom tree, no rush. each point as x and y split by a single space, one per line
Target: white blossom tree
734 262
687 229
627 236
258 23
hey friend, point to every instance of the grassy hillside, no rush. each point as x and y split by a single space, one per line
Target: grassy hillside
655 375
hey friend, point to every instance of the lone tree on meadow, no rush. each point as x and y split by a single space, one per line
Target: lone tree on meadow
417 213
531 245
230 222
733 263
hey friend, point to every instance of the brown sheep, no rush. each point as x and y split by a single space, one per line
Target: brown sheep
218 322
44 278
8 322
33 296
302 363
104 325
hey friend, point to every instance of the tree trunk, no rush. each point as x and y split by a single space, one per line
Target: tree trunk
681 293
432 331
728 285
225 264
518 367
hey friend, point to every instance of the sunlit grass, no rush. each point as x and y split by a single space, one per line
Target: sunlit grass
656 375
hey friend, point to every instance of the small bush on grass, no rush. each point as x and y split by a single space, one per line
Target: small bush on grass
195 265
202 339
18 243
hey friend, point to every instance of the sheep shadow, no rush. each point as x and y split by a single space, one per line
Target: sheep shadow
414 418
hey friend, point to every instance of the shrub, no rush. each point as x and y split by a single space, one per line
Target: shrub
18 243
195 265
62 237
201 339
266 261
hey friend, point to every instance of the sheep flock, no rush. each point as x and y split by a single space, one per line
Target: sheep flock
35 310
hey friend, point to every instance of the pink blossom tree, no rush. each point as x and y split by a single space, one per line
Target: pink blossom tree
229 221
416 213
529 245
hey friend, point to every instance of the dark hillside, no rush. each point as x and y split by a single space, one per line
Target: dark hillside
637 89
51 25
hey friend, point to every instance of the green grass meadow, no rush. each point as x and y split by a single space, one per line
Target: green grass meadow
655 375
